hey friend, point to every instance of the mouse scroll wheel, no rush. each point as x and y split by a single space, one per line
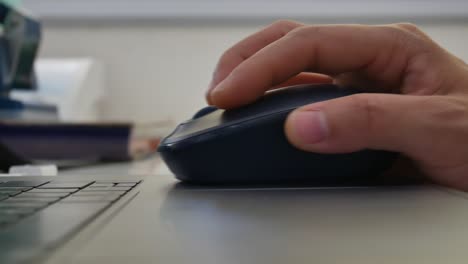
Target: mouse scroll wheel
204 111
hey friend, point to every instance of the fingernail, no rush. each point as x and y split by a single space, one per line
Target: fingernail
219 88
211 86
208 93
310 127
215 78
216 89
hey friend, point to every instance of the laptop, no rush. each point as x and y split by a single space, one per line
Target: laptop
94 216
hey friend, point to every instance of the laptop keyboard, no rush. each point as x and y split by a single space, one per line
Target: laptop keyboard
23 199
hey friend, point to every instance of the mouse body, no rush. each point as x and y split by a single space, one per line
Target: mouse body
249 145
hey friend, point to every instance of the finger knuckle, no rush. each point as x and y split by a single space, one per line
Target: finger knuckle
226 55
411 32
409 27
368 108
230 55
446 110
395 32
285 25
305 32
406 35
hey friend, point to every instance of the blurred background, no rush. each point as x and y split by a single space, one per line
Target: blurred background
158 55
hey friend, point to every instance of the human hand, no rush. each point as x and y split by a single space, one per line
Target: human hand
422 111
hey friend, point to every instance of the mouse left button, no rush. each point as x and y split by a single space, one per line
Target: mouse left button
204 111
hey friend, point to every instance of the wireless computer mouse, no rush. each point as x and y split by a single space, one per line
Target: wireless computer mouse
248 145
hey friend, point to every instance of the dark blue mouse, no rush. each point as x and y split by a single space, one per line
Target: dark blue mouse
247 145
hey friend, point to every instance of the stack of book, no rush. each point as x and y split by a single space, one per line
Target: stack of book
71 144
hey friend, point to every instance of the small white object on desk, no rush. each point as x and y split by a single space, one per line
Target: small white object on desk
33 170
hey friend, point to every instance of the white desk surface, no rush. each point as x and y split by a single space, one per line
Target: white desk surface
150 166
165 224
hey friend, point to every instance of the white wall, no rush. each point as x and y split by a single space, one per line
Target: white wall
159 72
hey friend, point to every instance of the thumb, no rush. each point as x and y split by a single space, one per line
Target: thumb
400 123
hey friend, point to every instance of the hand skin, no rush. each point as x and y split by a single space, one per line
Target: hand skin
420 110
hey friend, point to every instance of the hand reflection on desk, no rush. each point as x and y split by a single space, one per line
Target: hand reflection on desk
277 225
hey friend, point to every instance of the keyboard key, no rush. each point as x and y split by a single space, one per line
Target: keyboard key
19 198
102 184
33 195
115 183
32 204
100 193
6 205
52 190
107 189
126 184
22 184
20 189
90 199
65 185
10 192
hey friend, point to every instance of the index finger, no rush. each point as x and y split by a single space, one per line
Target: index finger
249 46
381 52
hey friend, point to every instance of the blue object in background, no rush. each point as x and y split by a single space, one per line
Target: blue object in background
19 44
11 2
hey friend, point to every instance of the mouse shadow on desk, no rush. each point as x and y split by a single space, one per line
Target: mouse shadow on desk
260 200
